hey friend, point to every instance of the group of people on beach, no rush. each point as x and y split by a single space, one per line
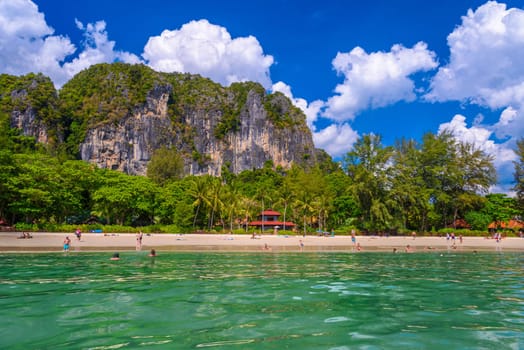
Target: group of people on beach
25 235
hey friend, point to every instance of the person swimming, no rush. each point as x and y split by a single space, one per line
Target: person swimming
152 253
116 256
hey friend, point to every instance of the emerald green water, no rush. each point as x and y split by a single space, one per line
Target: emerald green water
262 301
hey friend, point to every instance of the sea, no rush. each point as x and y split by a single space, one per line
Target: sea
266 300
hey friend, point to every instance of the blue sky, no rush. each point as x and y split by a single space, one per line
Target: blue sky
395 68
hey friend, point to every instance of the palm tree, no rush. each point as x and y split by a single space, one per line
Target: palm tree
303 205
214 199
286 197
198 191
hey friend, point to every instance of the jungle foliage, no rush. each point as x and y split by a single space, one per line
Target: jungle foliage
422 186
411 186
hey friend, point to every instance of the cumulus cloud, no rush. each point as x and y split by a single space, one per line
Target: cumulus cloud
336 139
476 135
485 66
26 41
208 49
97 49
27 44
377 79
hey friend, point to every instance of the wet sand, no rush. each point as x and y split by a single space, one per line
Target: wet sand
91 242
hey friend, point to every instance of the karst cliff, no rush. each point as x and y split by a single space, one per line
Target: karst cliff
117 115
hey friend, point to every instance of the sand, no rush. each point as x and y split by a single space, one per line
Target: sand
53 242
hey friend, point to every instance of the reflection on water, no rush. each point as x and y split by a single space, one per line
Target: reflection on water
262 301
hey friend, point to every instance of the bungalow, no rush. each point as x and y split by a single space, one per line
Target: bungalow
270 220
515 225
459 224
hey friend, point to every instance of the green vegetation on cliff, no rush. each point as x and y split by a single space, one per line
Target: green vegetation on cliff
105 93
29 94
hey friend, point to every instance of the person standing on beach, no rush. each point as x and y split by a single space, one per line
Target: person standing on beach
353 238
139 240
67 244
301 245
78 234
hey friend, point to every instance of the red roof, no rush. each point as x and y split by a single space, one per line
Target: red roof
513 224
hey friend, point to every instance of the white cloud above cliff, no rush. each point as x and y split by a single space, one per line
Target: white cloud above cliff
208 49
27 44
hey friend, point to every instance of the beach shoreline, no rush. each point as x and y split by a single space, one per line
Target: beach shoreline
94 242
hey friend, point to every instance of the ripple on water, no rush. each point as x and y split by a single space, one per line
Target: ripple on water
323 301
336 319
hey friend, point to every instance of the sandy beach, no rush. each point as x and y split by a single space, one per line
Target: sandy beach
53 242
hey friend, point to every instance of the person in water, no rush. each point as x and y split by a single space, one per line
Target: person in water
152 253
116 256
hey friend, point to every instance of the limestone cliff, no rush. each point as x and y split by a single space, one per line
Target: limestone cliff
31 103
117 115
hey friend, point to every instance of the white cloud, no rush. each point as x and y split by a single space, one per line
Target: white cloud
511 123
336 139
485 66
27 44
377 79
208 49
476 135
26 41
97 49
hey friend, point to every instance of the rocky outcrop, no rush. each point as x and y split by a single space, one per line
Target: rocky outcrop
29 124
116 116
30 102
128 145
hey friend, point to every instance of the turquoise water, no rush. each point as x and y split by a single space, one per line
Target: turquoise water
262 301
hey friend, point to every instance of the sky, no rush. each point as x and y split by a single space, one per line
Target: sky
398 69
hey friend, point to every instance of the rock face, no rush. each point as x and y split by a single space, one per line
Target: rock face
128 145
116 116
30 125
31 103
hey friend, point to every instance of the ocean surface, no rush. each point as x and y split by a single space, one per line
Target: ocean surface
262 301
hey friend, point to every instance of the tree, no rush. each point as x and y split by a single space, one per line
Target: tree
368 164
285 197
165 165
519 175
198 191
456 173
409 193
